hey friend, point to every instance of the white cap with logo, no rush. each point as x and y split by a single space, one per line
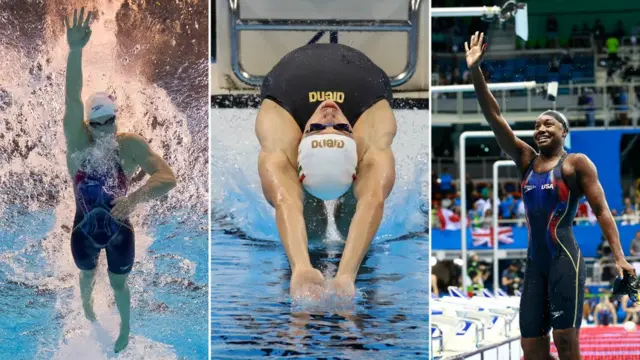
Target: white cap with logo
100 105
327 165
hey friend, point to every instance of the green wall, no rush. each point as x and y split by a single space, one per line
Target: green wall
575 12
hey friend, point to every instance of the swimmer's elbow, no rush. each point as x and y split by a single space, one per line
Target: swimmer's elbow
171 182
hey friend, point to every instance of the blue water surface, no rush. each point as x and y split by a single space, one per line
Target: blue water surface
252 315
170 309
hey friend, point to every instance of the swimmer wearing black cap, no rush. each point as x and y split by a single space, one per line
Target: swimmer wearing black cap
553 182
101 161
325 128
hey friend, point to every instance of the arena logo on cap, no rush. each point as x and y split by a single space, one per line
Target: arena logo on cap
327 143
96 108
336 96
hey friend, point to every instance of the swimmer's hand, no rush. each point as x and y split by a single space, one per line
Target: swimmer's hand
306 283
622 266
123 207
475 50
78 32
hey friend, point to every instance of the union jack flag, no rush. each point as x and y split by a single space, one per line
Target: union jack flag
481 236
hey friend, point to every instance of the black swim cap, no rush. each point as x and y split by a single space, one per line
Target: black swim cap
558 116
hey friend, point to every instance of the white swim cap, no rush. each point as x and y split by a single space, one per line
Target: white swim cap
327 165
100 104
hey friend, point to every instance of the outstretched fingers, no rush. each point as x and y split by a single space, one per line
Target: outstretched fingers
81 17
75 17
86 22
466 46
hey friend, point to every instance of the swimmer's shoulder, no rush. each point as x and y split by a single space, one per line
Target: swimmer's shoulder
577 163
131 143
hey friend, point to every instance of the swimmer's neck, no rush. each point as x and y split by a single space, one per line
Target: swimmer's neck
551 154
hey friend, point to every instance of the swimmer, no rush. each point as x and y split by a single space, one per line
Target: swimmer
605 312
553 183
325 128
101 161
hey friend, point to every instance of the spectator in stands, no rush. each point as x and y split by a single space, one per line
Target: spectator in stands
587 104
598 34
552 32
506 207
589 305
484 203
631 310
629 217
628 203
605 312
476 214
612 50
446 182
477 283
520 211
511 278
487 220
448 220
604 250
575 39
604 253
470 189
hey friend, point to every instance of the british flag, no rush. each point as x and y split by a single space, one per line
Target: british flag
481 236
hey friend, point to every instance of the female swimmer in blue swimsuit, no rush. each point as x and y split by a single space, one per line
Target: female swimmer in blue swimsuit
100 161
552 183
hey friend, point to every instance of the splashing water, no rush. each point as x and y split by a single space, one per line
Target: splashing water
152 58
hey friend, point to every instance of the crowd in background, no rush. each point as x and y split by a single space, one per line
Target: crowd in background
446 204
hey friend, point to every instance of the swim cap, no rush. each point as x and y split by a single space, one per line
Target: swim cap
100 104
558 116
327 165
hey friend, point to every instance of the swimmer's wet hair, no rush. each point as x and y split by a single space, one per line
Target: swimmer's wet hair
558 116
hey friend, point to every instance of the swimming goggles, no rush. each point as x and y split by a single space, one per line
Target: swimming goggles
109 121
319 127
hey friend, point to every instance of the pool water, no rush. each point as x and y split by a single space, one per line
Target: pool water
43 318
251 312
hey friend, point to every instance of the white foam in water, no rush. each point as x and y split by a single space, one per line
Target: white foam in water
33 170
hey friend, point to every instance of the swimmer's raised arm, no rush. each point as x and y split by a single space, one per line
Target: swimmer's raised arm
161 178
518 150
587 177
78 34
375 179
279 137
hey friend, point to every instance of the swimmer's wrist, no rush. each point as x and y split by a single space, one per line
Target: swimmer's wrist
134 198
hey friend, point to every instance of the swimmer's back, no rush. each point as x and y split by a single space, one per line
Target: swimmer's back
311 74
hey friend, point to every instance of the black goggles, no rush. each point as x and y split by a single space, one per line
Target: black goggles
109 121
319 127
